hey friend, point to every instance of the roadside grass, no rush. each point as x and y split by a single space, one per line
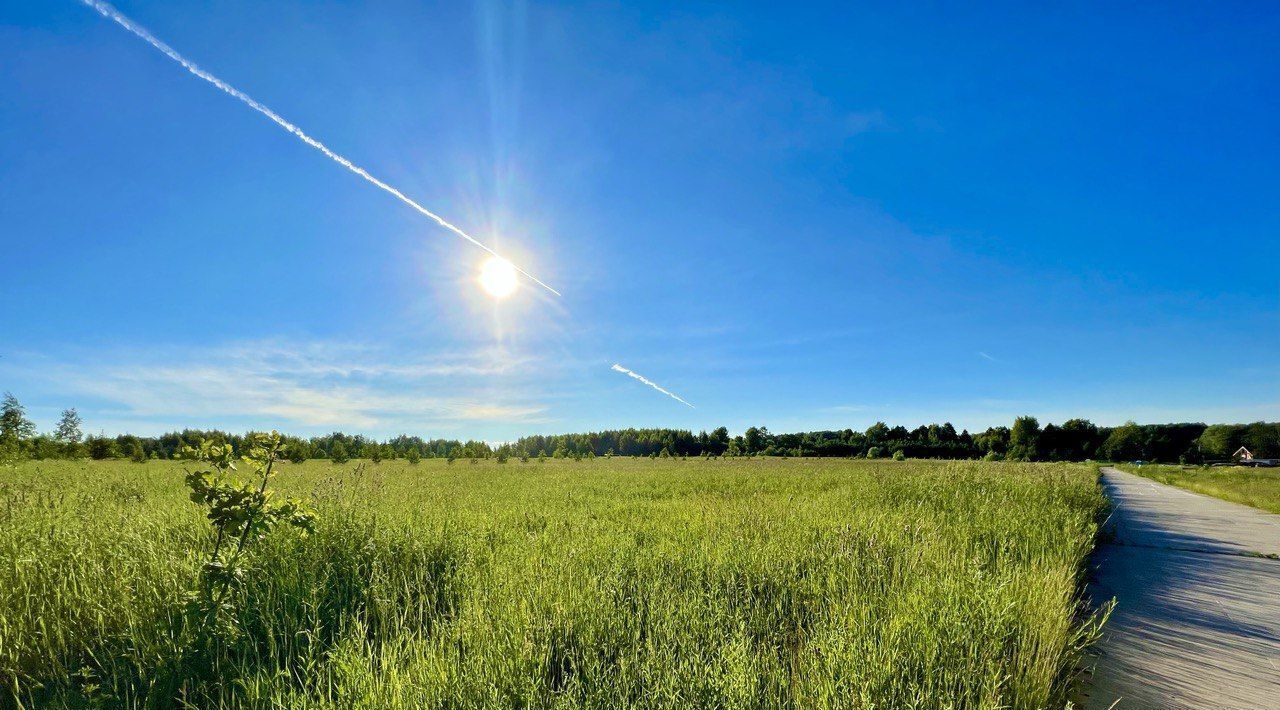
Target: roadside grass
605 583
1256 487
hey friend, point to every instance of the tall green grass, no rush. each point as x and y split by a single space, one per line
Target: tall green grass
1257 487
610 583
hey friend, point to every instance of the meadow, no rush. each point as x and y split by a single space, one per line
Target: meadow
1257 487
599 583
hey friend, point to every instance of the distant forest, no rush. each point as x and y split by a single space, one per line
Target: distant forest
1025 440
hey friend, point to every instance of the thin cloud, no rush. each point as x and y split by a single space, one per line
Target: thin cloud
312 385
619 368
985 356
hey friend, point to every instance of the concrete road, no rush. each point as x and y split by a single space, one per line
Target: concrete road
1197 618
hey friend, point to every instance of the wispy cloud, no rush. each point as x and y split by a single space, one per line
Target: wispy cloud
313 385
985 356
636 376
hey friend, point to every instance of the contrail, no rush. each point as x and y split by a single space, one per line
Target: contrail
651 383
109 12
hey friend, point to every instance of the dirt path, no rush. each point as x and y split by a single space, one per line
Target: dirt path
1197 621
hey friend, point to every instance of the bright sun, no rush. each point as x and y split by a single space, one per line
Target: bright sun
498 277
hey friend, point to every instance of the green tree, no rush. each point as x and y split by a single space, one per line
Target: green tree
877 433
718 442
68 431
338 453
994 440
1079 439
1124 443
755 439
14 424
1218 441
1262 439
413 455
1024 439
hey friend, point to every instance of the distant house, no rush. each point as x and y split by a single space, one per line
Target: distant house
1242 454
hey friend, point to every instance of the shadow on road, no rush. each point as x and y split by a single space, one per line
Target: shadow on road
1196 622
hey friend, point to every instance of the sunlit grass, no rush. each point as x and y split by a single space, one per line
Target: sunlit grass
1257 487
606 583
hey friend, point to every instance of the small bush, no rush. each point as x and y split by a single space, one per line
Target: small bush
101 448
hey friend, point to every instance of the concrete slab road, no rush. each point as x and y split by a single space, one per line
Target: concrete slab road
1197 618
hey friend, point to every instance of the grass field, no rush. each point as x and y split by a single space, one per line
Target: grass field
1258 487
605 583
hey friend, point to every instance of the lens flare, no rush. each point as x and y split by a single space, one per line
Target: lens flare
106 10
498 277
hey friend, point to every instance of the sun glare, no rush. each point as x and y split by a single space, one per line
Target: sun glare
498 277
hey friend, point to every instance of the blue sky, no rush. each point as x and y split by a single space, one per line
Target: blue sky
813 217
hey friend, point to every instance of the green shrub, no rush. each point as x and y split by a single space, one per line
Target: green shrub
101 448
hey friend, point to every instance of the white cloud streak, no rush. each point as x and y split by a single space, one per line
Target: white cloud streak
634 375
109 12
315 385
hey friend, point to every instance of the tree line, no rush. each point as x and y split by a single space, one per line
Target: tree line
1024 440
